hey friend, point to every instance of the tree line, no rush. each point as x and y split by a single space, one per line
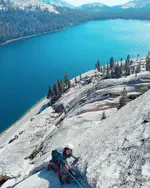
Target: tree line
16 23
59 88
117 70
110 70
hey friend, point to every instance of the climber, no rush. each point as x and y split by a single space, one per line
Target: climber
59 161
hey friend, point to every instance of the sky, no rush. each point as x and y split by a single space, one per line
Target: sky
107 2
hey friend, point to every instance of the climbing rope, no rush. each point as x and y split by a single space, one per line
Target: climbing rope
73 177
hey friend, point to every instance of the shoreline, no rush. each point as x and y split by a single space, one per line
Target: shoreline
44 33
26 115
34 106
12 40
38 103
35 35
30 36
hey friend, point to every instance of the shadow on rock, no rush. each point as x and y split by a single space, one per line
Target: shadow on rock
50 178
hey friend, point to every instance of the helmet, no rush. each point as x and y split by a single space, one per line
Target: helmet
69 146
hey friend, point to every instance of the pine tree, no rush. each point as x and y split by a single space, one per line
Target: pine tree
63 85
123 99
67 81
56 90
76 80
138 69
112 63
98 65
50 93
128 57
60 86
104 68
103 115
112 73
61 81
80 76
117 71
147 63
127 68
101 69
121 60
107 70
121 69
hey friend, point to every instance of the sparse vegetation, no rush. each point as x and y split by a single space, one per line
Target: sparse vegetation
111 70
59 88
98 66
103 115
148 63
80 76
50 92
123 99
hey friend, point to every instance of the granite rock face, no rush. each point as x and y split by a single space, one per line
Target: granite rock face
114 153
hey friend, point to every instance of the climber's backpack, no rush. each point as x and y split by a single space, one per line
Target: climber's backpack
55 155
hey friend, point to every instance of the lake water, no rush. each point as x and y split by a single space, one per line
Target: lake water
29 66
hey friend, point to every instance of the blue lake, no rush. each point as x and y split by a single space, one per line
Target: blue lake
29 66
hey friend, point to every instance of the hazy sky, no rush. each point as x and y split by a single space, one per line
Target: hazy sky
107 2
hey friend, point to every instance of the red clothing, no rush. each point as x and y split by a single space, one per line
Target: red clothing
57 168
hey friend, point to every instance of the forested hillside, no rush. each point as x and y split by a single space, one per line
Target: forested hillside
141 14
16 22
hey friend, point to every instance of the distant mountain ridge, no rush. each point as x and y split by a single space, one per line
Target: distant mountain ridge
21 18
59 3
94 7
136 4
33 4
91 7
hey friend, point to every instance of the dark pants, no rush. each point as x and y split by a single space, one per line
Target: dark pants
57 168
